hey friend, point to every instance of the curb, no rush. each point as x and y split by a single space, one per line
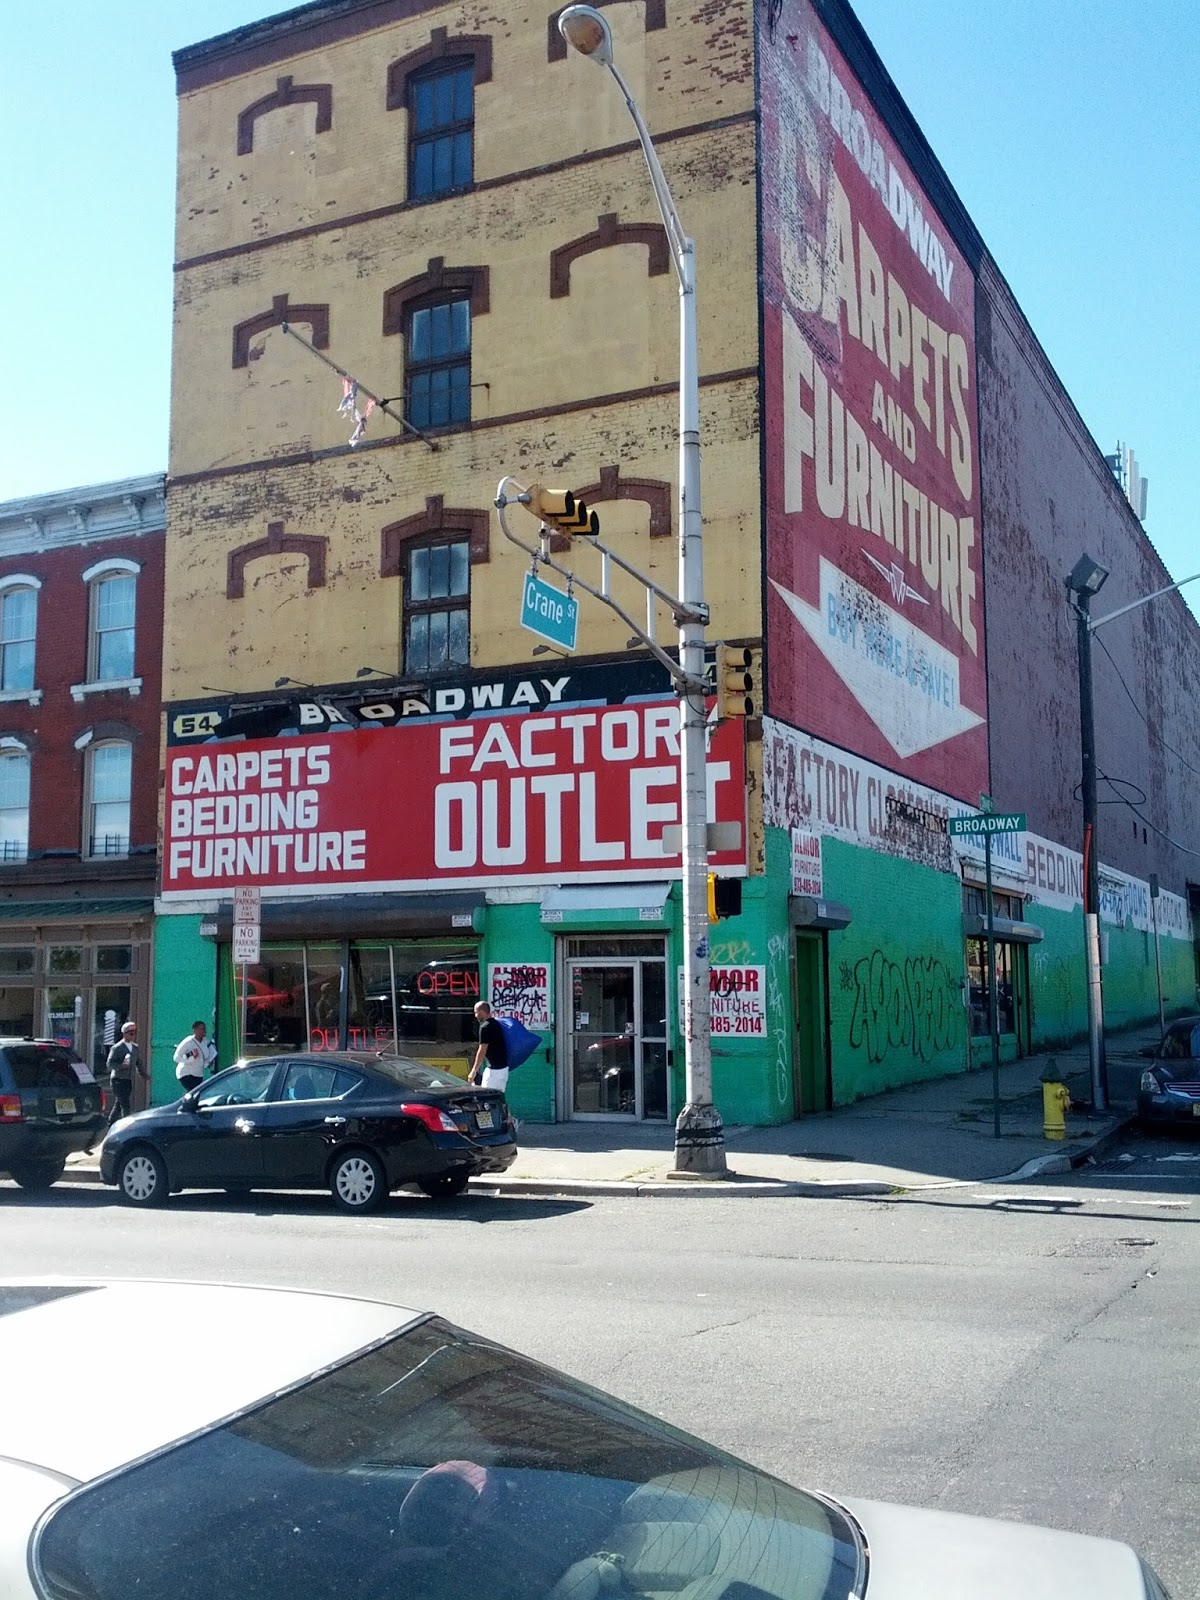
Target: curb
718 1188
1069 1161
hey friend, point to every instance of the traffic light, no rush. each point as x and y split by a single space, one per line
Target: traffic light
724 897
559 508
736 688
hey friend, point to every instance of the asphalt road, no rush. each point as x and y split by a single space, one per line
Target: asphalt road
1026 1353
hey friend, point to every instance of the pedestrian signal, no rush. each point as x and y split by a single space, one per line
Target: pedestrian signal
735 682
559 508
724 897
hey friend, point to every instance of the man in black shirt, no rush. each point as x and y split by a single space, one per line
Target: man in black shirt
492 1054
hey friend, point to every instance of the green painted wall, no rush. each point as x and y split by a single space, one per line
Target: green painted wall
896 974
185 986
515 933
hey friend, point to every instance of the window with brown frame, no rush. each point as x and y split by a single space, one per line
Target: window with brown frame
437 606
441 129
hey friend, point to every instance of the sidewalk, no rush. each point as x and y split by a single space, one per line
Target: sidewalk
929 1135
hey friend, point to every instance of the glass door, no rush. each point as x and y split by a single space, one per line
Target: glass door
618 1046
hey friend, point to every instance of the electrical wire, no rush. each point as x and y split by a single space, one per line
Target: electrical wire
1157 732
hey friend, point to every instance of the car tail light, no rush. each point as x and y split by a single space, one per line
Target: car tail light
436 1121
1150 1083
10 1108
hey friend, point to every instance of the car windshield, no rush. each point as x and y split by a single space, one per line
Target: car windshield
415 1074
438 1467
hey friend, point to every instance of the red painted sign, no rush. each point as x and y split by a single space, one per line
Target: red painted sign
874 560
556 797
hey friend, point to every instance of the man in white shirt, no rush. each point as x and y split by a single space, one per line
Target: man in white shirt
193 1056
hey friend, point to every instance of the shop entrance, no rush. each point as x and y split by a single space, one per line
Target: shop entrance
616 1048
810 1057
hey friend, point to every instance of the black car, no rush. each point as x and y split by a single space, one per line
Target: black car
358 1125
50 1106
1170 1088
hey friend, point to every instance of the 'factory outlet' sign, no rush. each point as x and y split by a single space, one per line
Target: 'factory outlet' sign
555 796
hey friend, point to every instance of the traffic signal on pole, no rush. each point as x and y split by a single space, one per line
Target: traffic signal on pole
724 897
559 508
735 682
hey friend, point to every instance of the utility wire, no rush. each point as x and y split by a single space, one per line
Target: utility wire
1133 806
1157 732
384 405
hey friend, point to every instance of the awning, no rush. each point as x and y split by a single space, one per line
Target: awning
1010 932
804 911
127 910
607 902
359 916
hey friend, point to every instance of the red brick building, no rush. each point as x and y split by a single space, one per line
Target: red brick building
81 598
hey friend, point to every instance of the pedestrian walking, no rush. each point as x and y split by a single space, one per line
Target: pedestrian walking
194 1055
490 1066
124 1062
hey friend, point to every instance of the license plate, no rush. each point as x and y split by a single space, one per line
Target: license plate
64 1108
1196 1108
483 1119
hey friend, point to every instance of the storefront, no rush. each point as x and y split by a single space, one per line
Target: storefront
496 840
75 971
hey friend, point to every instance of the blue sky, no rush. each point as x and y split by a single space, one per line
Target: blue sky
1071 129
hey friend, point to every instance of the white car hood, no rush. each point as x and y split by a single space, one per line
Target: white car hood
920 1555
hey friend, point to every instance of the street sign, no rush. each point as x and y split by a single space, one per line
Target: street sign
247 902
247 918
549 613
246 943
997 822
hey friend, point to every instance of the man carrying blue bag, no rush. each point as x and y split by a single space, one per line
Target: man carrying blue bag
504 1043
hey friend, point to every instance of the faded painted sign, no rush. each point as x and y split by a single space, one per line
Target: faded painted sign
875 591
738 1000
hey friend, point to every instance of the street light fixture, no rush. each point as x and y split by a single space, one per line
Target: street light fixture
699 1135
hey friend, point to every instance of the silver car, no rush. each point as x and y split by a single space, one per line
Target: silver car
345 1448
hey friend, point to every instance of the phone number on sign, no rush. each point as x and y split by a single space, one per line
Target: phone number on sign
756 1026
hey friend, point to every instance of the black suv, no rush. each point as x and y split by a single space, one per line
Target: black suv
50 1106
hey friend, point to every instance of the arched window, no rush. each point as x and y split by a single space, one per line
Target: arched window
14 804
108 786
112 614
18 632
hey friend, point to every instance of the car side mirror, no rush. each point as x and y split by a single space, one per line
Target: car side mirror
191 1101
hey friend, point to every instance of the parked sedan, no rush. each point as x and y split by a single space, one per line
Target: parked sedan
50 1106
311 1446
1169 1091
358 1125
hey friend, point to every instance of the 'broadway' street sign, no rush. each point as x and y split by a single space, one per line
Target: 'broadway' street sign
997 822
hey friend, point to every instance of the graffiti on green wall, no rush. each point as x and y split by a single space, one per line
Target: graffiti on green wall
912 1006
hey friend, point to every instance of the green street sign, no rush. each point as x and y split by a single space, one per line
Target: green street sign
549 613
997 822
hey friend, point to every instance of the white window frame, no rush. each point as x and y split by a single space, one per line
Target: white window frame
90 802
94 577
12 749
20 580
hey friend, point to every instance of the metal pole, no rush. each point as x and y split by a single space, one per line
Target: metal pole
1162 1026
1091 861
242 1037
699 1134
993 1006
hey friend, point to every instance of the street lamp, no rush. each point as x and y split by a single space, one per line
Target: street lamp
1087 578
699 1136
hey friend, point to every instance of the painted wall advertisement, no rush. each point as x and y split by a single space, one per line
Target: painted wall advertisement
563 796
874 565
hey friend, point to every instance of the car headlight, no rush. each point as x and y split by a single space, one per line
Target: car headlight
1150 1083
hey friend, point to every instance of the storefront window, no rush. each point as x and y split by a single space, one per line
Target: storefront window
64 959
1005 996
431 1005
64 1014
114 958
324 995
17 958
110 1008
16 1012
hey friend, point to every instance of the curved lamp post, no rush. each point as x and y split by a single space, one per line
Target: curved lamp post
699 1136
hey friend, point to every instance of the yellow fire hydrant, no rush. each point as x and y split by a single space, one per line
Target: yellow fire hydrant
1056 1102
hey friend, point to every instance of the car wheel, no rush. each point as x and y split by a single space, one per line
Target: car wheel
35 1175
142 1178
445 1186
357 1181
